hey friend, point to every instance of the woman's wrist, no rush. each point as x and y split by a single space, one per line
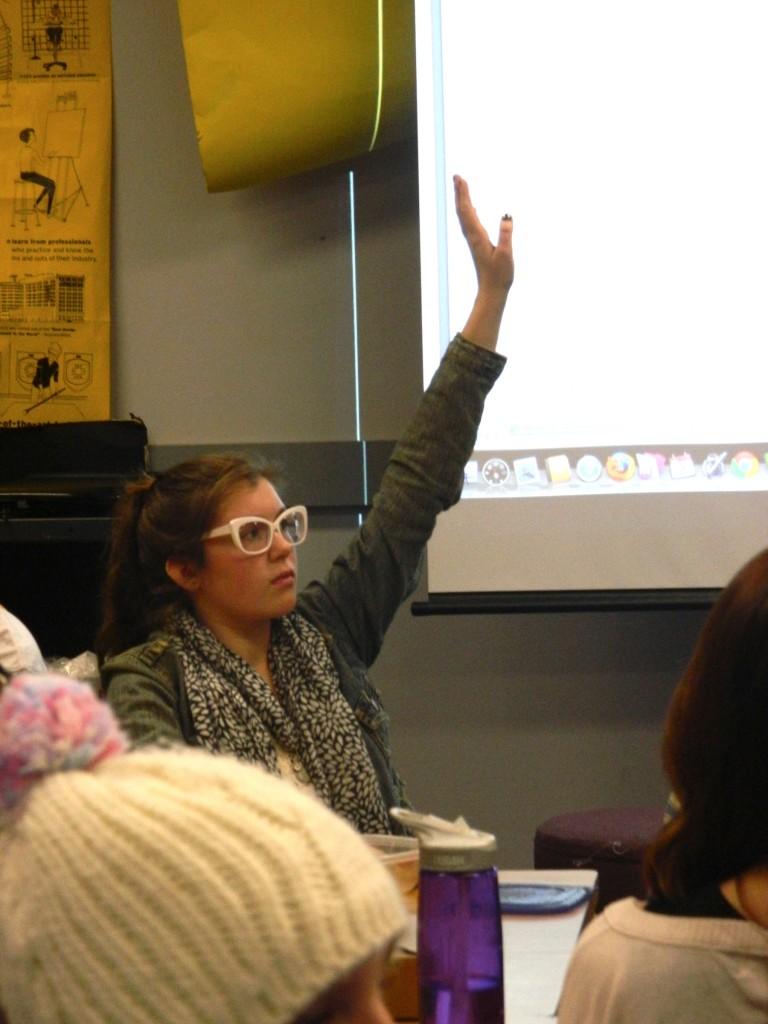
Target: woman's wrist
482 326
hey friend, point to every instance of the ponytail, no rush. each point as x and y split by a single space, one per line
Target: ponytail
124 599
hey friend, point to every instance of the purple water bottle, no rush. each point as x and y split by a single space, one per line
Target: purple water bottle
461 978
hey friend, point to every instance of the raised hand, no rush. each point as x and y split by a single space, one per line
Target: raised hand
494 266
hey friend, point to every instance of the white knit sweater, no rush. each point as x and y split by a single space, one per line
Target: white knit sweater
632 966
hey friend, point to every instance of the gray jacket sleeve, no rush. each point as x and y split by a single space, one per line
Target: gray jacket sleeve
144 687
366 584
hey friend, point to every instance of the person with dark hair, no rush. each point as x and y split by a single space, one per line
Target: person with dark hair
204 637
29 163
697 950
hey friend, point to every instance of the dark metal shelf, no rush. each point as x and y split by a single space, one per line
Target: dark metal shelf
565 601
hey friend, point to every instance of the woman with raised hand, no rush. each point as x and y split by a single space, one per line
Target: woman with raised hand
205 639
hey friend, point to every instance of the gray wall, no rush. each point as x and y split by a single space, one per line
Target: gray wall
232 323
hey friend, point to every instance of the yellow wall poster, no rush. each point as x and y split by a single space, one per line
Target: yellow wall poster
55 168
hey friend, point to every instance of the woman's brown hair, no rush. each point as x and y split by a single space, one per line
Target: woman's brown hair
159 517
715 747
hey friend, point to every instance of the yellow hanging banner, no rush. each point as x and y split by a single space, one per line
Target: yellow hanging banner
55 140
284 86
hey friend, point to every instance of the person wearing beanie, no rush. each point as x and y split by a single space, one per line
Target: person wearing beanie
173 886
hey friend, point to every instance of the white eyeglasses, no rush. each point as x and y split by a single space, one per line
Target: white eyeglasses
253 535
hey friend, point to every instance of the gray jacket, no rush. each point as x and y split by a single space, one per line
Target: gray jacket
356 602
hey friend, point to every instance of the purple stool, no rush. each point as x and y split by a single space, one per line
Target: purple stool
609 840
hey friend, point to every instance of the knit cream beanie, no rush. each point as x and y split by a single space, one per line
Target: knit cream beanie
167 886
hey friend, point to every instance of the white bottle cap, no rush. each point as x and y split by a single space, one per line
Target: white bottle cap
448 845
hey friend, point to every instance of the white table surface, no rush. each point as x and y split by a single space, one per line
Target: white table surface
537 948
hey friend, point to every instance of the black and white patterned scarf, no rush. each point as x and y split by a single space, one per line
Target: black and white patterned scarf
235 711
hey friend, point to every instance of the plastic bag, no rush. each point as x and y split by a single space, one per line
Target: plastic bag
84 667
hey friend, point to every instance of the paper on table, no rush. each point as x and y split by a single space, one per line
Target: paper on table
407 941
537 948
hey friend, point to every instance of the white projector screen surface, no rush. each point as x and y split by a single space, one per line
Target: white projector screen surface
625 446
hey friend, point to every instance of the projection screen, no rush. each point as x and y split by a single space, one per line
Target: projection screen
625 447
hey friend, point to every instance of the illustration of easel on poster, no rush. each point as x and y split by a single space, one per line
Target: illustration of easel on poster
63 142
